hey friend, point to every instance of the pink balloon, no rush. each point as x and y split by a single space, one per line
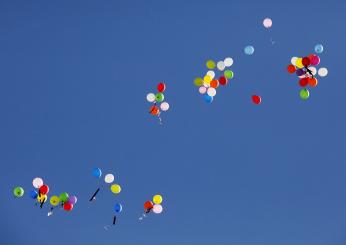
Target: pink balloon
314 59
267 23
202 89
157 209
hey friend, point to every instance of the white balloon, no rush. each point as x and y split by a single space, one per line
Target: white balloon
164 106
294 60
322 72
228 62
202 90
157 209
211 74
37 182
211 92
109 178
267 22
313 70
151 97
220 65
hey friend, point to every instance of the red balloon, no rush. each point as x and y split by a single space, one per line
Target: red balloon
68 206
256 99
44 189
291 69
223 80
304 81
154 110
148 205
306 61
161 87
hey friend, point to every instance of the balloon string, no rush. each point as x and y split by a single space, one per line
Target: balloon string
114 219
93 197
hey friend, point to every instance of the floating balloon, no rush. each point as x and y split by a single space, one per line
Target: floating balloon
97 172
72 200
148 205
198 82
109 178
116 189
44 189
304 94
313 70
202 90
68 206
300 72
208 99
151 97
211 92
18 191
228 74
211 74
318 48
161 87
256 99
157 199
37 182
304 82
164 106
118 208
322 72
157 209
306 61
223 80
312 81
249 50
33 194
210 64
160 97
291 69
220 65
228 62
314 59
207 79
214 84
154 110
267 23
54 201
63 197
294 60
299 63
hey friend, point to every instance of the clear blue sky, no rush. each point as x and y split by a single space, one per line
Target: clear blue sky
74 76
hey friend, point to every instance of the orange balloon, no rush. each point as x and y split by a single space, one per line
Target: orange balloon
313 81
154 110
214 83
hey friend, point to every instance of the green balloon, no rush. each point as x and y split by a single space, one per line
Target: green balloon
228 74
304 94
160 97
18 191
198 82
63 197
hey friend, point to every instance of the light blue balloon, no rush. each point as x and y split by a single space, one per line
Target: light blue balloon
208 98
118 208
33 194
249 50
97 172
319 48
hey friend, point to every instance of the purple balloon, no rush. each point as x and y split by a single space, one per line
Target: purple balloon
72 200
300 72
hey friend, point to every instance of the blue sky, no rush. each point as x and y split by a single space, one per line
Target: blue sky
74 79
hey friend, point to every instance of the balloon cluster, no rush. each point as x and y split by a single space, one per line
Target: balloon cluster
208 84
154 206
115 189
159 97
305 69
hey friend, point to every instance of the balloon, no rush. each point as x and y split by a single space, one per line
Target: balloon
109 178
164 106
299 63
228 62
214 83
72 200
256 99
148 205
304 94
228 74
33 194
157 209
97 172
37 182
161 87
314 59
68 206
304 82
44 189
202 90
160 97
18 191
154 110
198 82
116 189
300 72
220 65
211 74
313 81
54 201
42 198
157 199
210 64
291 68
249 50
211 92
306 61
223 80
267 23
318 48
294 60
63 197
118 208
322 72
150 98
313 70
208 99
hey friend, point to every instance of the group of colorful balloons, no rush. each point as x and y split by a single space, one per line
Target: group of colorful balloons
115 189
159 97
209 83
305 69
153 206
40 195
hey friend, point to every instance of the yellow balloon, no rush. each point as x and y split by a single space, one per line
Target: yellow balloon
42 198
210 64
54 200
299 63
157 199
198 81
207 79
116 189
